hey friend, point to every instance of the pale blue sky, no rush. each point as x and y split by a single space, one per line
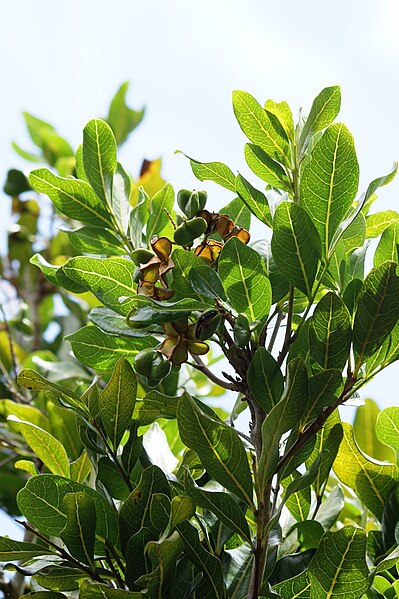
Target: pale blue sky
62 61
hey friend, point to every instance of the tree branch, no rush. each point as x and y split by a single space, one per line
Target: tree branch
199 365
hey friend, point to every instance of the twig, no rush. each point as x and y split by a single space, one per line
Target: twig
287 339
199 365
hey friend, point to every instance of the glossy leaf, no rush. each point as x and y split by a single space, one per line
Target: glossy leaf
237 564
224 507
115 324
79 532
330 332
387 248
99 350
109 280
99 158
327 445
122 119
387 427
41 501
47 448
92 590
117 401
205 561
324 109
135 512
55 275
158 218
155 405
255 200
57 578
372 481
366 434
261 127
11 550
238 212
377 310
295 246
298 504
184 263
265 379
283 112
205 281
164 555
284 416
324 390
120 198
213 171
244 278
267 169
378 222
339 567
329 182
95 240
72 197
219 447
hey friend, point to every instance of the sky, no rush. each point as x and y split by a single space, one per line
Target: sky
64 61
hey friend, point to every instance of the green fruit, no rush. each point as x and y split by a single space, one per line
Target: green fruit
190 230
151 364
207 324
141 256
191 202
241 331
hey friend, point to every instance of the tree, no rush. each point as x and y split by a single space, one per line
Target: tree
131 483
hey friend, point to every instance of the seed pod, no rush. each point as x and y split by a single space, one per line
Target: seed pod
141 256
151 364
189 230
191 202
207 324
241 331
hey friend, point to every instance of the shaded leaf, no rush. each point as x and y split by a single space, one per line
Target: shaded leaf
79 532
265 379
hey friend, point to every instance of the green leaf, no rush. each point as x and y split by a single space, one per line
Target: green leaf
377 310
375 184
324 389
91 590
378 222
283 112
160 508
29 156
30 379
47 448
372 481
298 503
184 262
135 512
238 212
367 437
212 171
11 550
147 312
207 563
298 586
72 197
99 158
111 280
330 332
138 218
261 127
79 532
117 401
115 324
24 412
155 405
164 555
324 110
219 447
122 119
16 183
254 199
99 350
244 277
387 248
329 182
41 501
55 275
237 565
327 445
387 427
182 508
284 416
331 507
295 246
355 234
206 281
81 468
63 426
61 578
120 200
339 567
95 240
389 521
267 169
265 379
225 507
158 219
